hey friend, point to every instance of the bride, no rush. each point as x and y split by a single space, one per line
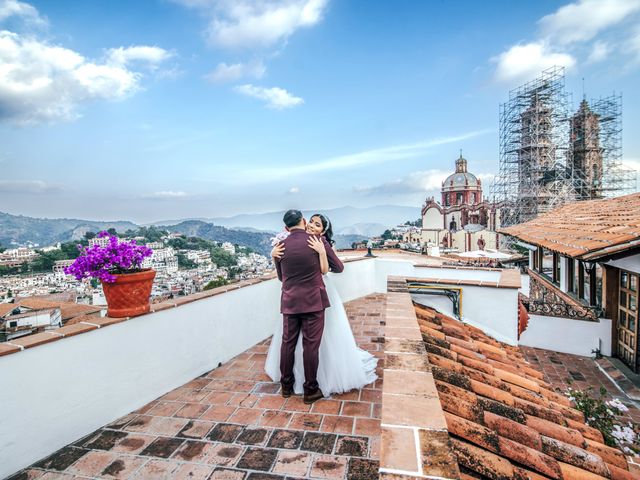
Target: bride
342 365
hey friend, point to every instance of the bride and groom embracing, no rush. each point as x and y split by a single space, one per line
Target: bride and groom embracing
325 359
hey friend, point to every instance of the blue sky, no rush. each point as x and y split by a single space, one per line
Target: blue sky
159 109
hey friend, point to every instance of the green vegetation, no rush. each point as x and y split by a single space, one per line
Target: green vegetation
387 235
184 262
416 223
218 282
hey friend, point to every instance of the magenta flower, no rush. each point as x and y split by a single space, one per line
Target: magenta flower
103 262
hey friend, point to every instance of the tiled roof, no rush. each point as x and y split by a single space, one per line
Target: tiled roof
503 419
587 229
72 310
34 303
5 308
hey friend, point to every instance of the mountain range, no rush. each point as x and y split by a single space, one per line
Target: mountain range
369 221
350 224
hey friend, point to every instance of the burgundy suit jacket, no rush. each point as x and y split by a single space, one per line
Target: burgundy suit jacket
299 271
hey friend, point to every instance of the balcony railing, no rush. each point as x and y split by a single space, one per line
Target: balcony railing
557 309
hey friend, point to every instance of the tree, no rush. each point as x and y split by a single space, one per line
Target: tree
184 262
387 235
112 231
9 294
218 282
222 258
89 235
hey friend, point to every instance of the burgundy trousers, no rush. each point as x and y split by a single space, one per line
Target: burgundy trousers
312 325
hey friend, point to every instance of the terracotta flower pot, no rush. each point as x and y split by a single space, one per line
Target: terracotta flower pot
129 295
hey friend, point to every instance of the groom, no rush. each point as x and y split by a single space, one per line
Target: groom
302 305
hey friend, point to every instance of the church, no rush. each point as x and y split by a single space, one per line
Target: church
464 220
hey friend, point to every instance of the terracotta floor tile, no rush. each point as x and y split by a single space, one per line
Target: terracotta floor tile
218 398
166 426
133 443
246 400
224 455
122 422
356 409
328 467
296 404
258 459
122 467
305 421
192 472
92 463
246 416
367 426
292 463
227 474
218 413
193 451
192 410
156 470
288 439
337 424
196 429
331 407
275 418
165 409
271 402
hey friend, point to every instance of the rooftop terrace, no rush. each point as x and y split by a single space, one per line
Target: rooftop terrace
181 393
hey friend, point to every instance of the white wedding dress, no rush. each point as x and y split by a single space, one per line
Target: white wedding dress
342 365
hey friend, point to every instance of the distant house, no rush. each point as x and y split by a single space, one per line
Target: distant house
35 314
584 264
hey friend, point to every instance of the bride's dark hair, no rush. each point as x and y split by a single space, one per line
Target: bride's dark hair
326 226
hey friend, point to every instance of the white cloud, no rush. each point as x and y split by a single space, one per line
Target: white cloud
142 53
28 186
256 23
229 73
583 20
15 8
633 44
599 52
166 194
417 182
360 159
294 190
41 82
276 98
524 61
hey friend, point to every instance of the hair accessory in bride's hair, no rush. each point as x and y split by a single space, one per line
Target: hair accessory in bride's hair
279 238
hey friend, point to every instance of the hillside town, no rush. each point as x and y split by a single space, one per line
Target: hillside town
30 303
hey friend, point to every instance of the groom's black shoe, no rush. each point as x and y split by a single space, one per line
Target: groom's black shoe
287 392
312 397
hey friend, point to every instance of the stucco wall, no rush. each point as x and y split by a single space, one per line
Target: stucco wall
566 335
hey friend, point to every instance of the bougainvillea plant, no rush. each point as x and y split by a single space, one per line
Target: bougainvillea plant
103 262
604 415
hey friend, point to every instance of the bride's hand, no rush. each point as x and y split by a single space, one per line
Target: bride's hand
278 251
316 244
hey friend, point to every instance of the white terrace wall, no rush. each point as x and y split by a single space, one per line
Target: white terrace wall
566 335
53 394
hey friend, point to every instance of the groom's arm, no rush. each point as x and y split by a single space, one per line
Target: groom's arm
278 268
335 265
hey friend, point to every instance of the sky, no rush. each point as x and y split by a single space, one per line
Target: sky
163 109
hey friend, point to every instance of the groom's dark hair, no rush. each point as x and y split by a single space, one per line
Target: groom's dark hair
292 218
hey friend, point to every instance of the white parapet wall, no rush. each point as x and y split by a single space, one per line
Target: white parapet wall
56 393
579 337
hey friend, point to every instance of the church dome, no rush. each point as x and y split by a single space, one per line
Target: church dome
461 179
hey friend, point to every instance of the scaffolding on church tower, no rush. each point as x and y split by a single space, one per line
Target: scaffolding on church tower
534 175
617 179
